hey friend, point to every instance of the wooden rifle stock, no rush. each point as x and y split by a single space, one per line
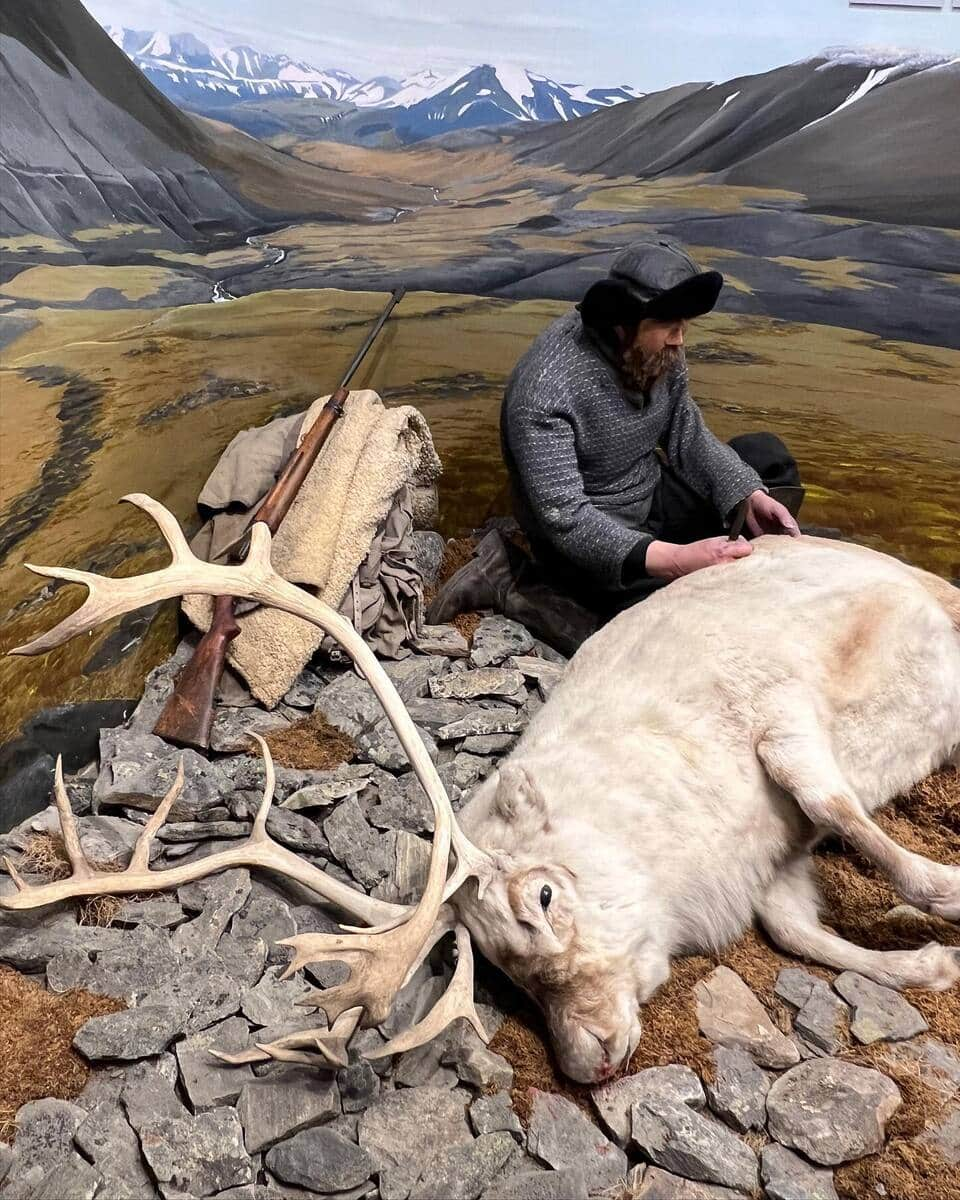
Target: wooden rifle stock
187 716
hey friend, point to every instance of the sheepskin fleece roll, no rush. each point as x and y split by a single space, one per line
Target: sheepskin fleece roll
372 452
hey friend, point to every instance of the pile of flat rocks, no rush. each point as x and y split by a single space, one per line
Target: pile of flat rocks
199 969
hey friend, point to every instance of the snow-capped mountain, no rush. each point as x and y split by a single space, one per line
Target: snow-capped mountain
203 78
197 76
494 95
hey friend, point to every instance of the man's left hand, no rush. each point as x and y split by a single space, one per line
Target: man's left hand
766 515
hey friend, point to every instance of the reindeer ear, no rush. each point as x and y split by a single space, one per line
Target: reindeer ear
516 791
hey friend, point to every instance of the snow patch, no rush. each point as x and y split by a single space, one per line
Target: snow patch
874 79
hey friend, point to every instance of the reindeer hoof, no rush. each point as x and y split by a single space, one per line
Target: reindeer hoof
944 964
943 897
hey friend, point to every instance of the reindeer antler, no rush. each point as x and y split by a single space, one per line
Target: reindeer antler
382 958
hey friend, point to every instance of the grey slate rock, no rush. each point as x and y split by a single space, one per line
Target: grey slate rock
359 1086
136 765
273 1000
468 685
199 831
284 1103
349 703
657 1184
210 1083
139 962
70 1179
482 723
159 912
217 898
305 690
148 1090
546 674
428 550
108 1141
421 1067
365 852
831 1111
231 728
379 744
937 1064
45 1131
738 1094
197 1156
680 1140
157 688
786 1176
403 806
337 784
494 1114
445 640
823 1019
560 1135
795 985
321 1161
129 1034
879 1013
497 639
479 1066
298 833
462 1172
729 1014
488 743
568 1184
411 676
432 714
614 1101
403 1130
469 768
264 918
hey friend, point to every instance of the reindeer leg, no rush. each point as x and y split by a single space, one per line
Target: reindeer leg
799 759
788 912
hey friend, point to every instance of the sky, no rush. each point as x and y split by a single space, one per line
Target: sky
648 45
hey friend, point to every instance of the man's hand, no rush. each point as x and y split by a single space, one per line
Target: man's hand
766 515
667 560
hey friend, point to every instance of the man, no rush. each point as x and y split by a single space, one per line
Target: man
617 482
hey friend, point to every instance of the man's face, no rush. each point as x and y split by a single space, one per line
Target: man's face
654 348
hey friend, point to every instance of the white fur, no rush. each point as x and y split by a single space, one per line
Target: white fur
697 747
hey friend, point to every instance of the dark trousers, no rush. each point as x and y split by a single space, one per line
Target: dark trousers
562 605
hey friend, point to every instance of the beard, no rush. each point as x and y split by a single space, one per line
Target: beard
642 369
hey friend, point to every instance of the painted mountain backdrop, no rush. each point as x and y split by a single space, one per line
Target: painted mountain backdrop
258 92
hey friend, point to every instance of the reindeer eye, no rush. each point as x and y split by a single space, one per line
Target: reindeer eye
546 895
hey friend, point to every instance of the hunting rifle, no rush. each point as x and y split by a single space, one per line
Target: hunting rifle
188 714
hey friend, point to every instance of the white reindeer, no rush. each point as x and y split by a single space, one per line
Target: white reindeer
668 793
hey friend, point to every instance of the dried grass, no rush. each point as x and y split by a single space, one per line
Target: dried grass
312 744
37 1028
45 855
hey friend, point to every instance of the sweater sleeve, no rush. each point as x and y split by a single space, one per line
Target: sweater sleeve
544 449
710 467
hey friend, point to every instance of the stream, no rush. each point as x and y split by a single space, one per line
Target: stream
220 293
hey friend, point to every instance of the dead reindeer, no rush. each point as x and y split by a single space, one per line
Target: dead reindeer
667 795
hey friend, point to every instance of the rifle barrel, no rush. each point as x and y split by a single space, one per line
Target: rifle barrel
372 335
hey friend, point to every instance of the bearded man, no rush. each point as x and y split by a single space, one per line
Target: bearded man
617 482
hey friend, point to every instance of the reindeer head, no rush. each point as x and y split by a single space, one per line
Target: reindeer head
541 920
524 914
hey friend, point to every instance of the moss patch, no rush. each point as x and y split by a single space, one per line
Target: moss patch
312 744
37 1028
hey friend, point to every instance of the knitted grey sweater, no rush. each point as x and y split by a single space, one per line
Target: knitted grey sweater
579 446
